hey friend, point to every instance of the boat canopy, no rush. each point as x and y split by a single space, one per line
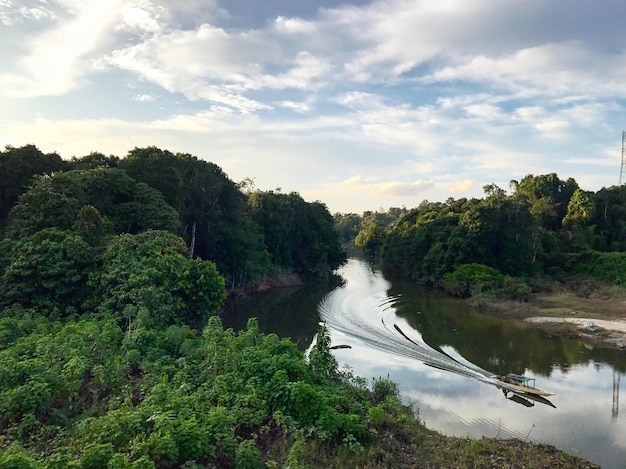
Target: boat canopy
522 378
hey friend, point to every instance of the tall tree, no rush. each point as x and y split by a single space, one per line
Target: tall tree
159 169
17 168
212 208
94 160
548 197
299 235
125 205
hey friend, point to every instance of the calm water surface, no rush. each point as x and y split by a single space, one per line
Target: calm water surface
441 353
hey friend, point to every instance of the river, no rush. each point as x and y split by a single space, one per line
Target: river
442 353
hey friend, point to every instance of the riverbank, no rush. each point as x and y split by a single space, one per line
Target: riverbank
403 442
598 317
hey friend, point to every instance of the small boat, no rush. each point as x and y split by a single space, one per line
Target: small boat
520 384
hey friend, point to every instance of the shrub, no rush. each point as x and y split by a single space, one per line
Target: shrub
471 279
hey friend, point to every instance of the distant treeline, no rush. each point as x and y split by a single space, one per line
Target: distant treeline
545 227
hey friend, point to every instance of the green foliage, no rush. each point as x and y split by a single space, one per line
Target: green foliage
321 360
548 197
16 457
347 226
514 289
383 388
606 266
94 160
89 224
371 235
372 230
471 279
68 391
48 270
56 201
100 364
150 272
248 456
579 209
475 279
300 236
213 217
18 166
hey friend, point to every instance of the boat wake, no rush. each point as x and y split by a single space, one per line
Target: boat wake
362 309
353 310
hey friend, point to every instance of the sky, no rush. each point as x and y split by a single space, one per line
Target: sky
362 105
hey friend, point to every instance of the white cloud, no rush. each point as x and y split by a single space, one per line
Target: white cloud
12 14
297 106
462 187
136 18
354 180
402 188
294 26
143 98
59 57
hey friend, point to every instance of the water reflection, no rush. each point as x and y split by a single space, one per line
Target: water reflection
443 354
288 312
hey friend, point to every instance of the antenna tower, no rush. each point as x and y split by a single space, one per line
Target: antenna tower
621 171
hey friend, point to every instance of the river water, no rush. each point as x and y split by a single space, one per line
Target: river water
442 353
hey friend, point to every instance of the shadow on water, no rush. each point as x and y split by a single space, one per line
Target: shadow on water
288 312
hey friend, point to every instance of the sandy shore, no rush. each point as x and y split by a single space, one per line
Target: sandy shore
611 332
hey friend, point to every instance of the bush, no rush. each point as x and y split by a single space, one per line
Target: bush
471 279
607 266
514 289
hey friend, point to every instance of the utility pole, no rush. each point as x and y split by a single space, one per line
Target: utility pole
621 171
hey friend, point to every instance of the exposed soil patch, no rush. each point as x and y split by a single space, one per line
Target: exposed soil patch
597 318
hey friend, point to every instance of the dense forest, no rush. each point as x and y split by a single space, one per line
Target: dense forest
502 243
110 269
113 270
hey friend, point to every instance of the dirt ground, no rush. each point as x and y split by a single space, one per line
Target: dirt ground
598 319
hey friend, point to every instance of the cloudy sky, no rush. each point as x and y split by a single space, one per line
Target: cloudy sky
359 104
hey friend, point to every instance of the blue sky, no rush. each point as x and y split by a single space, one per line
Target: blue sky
362 105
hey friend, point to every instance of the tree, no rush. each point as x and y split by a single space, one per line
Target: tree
347 225
150 275
94 160
212 209
124 205
548 197
159 169
49 270
17 168
579 211
371 234
299 235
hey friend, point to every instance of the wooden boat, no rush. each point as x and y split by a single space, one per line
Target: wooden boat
519 384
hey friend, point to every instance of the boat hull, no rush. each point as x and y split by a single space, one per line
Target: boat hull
520 388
